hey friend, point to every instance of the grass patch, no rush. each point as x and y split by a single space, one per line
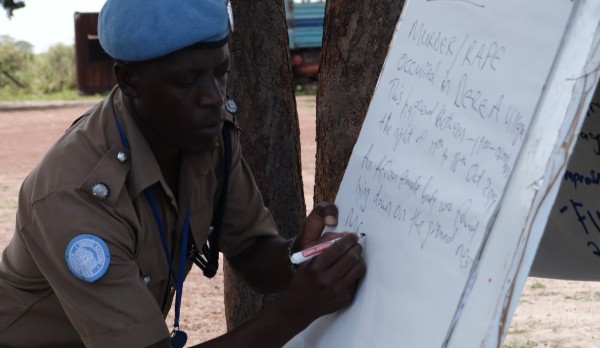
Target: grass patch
521 344
538 285
12 96
595 297
516 331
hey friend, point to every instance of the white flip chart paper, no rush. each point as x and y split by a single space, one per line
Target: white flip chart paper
452 110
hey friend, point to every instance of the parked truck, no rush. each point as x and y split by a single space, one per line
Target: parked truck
305 31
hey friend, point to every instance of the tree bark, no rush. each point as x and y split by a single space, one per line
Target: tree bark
260 81
355 43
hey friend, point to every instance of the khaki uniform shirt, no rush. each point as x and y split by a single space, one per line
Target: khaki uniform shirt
42 303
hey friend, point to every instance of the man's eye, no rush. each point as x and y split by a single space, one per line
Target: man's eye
187 81
220 72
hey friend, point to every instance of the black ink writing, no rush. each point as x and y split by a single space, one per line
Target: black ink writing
433 40
578 178
483 55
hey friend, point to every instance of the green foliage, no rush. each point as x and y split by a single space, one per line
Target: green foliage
54 71
14 64
24 75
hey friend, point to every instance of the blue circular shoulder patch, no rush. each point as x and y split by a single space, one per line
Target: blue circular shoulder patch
87 257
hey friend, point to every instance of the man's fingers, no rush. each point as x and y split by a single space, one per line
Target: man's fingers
331 255
351 257
331 278
356 271
324 214
340 267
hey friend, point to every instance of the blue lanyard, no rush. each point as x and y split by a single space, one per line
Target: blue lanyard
178 338
179 276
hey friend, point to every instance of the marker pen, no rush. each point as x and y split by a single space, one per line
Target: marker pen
309 253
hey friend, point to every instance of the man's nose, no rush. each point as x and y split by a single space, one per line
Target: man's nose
211 93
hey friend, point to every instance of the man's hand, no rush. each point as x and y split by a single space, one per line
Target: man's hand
329 281
323 214
326 283
320 286
265 264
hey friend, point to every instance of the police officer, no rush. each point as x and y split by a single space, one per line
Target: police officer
107 219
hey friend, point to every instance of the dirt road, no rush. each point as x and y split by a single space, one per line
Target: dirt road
551 313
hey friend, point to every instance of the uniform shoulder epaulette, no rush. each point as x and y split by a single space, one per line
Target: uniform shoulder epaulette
107 178
231 113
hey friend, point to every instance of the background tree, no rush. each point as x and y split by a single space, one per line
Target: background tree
355 44
14 63
24 74
11 5
22 45
260 81
54 70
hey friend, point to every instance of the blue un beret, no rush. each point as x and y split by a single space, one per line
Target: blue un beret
137 30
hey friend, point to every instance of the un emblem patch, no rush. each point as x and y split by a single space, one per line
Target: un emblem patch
87 257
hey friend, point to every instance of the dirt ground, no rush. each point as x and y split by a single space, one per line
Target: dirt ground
551 313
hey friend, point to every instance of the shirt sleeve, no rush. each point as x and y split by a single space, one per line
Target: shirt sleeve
117 309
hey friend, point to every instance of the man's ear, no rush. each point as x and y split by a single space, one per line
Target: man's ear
126 79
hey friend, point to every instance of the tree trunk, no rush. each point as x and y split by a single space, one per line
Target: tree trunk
355 43
260 81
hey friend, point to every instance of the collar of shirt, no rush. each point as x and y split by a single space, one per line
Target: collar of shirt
145 171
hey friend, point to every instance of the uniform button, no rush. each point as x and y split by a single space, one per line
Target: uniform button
172 289
147 280
122 157
100 191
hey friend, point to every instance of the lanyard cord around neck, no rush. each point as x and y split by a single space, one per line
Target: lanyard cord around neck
179 276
